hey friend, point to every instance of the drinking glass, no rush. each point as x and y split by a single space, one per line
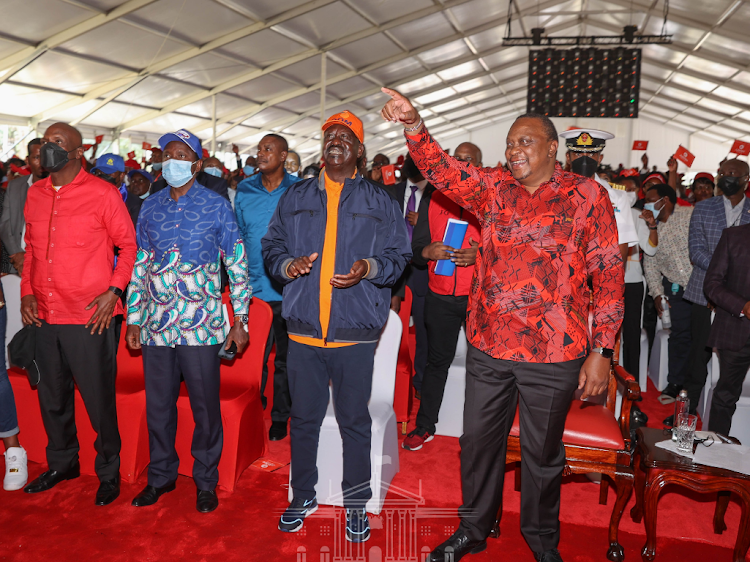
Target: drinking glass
685 430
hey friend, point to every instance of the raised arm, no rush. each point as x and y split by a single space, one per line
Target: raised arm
468 186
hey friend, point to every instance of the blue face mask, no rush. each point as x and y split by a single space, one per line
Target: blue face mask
295 174
144 195
652 207
156 166
177 172
248 170
216 172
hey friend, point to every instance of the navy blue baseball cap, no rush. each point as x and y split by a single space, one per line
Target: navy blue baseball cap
182 135
144 173
109 164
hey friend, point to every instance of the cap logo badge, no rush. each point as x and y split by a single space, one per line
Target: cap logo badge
110 161
183 134
584 139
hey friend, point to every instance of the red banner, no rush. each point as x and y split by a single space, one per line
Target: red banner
640 145
389 174
99 139
146 145
86 147
131 154
684 156
741 147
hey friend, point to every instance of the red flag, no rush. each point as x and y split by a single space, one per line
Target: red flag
99 139
684 156
389 174
146 145
640 145
741 147
131 154
87 147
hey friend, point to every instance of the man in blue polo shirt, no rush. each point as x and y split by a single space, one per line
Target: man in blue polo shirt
255 202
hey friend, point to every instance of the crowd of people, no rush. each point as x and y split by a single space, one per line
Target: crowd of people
558 258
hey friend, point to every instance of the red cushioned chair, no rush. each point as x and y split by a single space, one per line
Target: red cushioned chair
131 417
405 367
595 441
241 409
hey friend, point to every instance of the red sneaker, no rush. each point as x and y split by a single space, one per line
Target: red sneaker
417 438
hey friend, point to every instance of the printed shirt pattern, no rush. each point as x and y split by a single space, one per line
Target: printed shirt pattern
672 257
174 293
529 300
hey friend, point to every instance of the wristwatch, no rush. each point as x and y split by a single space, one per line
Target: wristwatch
604 352
241 318
116 290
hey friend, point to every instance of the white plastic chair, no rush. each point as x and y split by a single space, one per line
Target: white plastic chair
384 443
451 415
658 367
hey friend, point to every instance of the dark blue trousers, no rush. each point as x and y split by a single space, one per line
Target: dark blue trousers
199 365
349 369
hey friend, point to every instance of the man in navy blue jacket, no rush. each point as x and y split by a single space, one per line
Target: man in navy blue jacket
338 243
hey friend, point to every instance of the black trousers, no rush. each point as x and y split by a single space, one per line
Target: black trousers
444 316
282 402
733 366
680 338
68 353
544 392
349 369
631 327
417 282
199 366
700 353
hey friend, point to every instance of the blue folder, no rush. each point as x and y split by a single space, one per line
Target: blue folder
454 237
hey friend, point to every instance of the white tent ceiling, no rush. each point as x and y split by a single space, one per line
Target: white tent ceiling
143 67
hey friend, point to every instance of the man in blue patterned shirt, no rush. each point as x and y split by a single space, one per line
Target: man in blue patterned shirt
175 314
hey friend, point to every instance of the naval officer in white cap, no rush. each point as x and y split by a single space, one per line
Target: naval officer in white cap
584 156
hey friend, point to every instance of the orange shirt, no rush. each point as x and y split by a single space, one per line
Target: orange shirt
327 262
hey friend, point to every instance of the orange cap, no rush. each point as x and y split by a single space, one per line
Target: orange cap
348 120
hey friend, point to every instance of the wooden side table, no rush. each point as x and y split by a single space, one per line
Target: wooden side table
656 467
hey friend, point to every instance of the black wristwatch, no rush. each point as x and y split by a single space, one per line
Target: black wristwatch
604 352
116 290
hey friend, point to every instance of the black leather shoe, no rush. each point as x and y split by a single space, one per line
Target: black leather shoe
552 555
108 491
50 479
277 431
207 501
456 547
150 495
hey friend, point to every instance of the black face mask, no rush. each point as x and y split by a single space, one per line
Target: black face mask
53 157
584 166
729 185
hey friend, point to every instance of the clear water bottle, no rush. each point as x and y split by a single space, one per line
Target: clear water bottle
666 318
681 406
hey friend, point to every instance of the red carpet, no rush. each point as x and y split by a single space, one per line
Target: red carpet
64 525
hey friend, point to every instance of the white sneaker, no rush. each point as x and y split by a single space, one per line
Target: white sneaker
16 472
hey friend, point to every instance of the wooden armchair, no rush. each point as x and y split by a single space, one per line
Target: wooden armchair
595 441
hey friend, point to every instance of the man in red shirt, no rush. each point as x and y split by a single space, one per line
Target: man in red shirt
544 232
70 290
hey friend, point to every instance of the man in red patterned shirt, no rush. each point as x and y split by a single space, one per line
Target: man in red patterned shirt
544 232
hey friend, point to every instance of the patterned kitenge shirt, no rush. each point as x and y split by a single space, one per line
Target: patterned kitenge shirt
175 289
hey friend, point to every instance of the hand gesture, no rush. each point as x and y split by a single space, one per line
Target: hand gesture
659 305
644 159
29 313
594 375
648 216
464 257
238 335
412 217
133 337
355 275
746 310
102 316
672 165
301 265
437 251
398 109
